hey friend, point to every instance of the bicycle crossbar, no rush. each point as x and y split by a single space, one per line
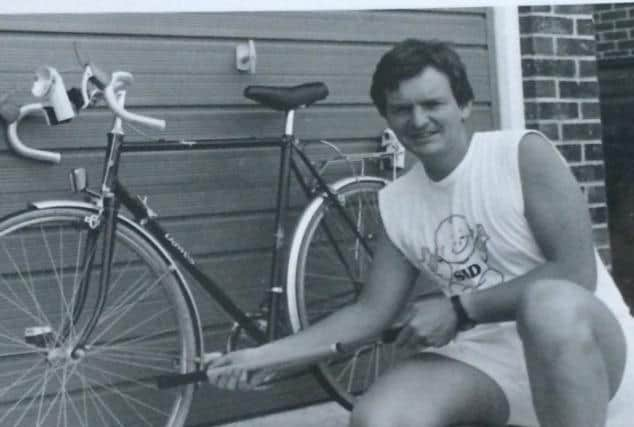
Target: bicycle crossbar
199 144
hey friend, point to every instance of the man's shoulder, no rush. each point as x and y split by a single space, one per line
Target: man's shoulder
505 136
505 142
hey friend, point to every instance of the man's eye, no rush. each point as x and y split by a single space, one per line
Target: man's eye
400 110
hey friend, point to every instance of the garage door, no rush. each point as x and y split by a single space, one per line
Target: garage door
219 203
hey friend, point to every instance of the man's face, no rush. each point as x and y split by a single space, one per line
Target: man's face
425 115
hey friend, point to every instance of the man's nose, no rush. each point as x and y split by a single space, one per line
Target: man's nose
419 116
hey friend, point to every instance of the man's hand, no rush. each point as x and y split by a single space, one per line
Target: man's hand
228 371
430 322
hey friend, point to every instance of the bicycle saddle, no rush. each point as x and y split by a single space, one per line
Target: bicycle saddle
287 98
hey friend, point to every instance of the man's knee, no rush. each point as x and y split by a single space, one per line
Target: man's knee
367 413
361 415
372 412
556 316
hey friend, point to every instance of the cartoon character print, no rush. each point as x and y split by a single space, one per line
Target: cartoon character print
460 257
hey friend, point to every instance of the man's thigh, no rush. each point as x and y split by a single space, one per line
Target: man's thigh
561 314
431 390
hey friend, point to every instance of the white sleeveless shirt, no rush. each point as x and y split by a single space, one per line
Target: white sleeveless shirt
468 231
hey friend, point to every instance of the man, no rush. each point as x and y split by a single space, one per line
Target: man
497 222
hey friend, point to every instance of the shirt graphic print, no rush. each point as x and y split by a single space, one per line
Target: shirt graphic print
460 256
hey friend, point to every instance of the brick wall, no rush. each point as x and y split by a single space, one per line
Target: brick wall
614 25
561 95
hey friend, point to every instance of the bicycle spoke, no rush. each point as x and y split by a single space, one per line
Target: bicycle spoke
125 400
144 330
119 343
115 283
148 356
31 403
127 396
18 343
22 308
332 256
24 412
53 266
18 402
61 258
61 409
124 361
351 368
368 369
88 393
122 300
41 398
66 397
27 284
58 273
20 380
137 361
104 406
133 328
133 291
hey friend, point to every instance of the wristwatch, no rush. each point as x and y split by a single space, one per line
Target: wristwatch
464 321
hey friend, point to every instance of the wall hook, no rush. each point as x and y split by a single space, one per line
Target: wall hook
246 57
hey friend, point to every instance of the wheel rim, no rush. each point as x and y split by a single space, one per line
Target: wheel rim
323 285
144 330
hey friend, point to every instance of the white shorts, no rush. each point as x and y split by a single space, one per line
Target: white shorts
497 351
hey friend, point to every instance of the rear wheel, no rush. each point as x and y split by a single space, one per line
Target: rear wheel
328 267
145 330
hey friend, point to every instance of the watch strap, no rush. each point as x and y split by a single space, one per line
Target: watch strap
464 321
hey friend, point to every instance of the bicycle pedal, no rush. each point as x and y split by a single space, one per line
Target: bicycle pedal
39 336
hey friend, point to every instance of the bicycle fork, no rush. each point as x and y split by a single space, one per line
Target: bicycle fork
103 223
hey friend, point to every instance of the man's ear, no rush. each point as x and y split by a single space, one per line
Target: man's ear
466 110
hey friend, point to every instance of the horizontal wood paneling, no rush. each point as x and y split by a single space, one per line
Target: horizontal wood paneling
197 183
219 203
201 72
89 130
324 26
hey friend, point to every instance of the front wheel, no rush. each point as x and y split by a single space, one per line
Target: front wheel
327 269
145 329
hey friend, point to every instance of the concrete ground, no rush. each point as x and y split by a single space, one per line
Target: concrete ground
321 415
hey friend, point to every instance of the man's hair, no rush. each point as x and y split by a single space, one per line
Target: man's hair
410 57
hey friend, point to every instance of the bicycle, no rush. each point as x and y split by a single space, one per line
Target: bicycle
99 301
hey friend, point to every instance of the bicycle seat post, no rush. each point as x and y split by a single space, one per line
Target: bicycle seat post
290 123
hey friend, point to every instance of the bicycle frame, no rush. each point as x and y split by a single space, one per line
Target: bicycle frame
138 311
114 194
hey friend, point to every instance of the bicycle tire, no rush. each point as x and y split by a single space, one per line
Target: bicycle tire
318 282
145 330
